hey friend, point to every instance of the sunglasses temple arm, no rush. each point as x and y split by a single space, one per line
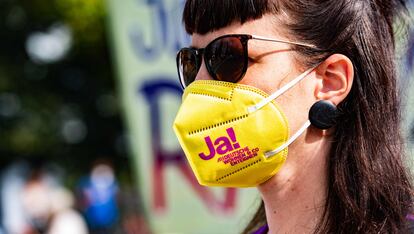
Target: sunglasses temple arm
276 94
282 41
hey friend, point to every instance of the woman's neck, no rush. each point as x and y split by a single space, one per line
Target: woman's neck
295 197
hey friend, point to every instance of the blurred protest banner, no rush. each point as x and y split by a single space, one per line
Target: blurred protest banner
405 64
406 73
146 34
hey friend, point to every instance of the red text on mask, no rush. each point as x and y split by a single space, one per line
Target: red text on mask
222 145
238 156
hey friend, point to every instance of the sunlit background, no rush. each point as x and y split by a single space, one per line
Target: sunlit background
88 93
61 130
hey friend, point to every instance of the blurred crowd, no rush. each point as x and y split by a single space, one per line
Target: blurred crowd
35 200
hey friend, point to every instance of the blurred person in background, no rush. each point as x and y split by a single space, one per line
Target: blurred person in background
48 205
64 219
13 180
98 198
328 157
36 197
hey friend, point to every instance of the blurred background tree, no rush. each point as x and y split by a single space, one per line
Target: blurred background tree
58 100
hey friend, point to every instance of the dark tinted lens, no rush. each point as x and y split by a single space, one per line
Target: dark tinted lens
226 59
187 66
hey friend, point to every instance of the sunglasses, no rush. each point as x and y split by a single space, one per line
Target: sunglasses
226 58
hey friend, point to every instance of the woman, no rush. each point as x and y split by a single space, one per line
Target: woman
331 62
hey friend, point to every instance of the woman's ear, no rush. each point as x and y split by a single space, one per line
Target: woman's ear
335 77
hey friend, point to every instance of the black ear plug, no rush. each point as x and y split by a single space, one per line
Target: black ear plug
323 114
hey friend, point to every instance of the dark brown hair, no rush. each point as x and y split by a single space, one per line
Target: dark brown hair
369 188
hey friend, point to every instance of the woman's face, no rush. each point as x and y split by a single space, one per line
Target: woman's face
271 65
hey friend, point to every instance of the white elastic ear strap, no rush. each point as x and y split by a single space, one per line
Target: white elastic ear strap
276 94
292 139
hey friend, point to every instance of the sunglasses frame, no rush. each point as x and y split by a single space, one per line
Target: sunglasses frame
200 54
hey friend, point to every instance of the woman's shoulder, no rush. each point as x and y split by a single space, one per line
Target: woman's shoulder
410 223
262 230
410 226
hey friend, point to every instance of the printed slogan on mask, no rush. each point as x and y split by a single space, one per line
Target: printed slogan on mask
229 147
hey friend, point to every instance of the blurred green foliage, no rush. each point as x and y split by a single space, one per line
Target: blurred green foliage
84 17
41 104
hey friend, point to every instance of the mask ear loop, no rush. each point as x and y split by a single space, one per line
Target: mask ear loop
268 154
264 102
261 104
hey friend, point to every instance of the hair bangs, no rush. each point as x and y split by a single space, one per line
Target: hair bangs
203 16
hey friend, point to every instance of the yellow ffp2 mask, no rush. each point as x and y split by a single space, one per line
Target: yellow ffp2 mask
233 135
